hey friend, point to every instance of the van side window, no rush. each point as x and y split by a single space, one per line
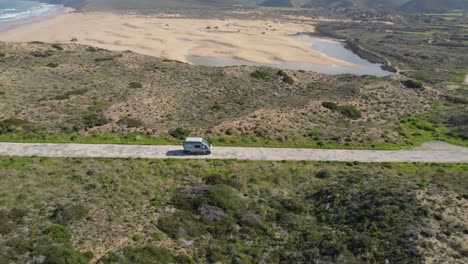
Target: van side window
197 146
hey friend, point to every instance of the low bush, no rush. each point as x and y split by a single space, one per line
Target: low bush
346 110
11 124
145 255
216 107
66 214
65 254
322 174
131 122
57 46
2 54
350 111
52 65
39 54
262 75
58 233
330 105
414 84
286 78
135 85
179 224
92 49
104 59
226 198
179 133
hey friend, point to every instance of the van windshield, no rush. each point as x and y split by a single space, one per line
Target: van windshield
205 142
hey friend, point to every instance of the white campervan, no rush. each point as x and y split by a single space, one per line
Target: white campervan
194 145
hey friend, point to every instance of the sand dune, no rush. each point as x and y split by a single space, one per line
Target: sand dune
177 38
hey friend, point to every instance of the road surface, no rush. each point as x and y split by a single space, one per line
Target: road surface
437 152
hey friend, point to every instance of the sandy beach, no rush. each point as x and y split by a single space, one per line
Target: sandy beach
175 37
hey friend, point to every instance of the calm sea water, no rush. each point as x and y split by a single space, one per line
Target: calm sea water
331 48
13 12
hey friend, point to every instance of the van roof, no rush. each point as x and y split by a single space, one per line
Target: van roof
193 139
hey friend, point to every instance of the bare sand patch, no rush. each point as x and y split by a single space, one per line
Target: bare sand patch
261 41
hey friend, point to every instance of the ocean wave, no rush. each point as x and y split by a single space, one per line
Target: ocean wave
34 12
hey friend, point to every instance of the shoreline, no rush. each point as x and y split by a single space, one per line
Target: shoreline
160 35
63 10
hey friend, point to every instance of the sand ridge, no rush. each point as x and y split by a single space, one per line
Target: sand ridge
173 37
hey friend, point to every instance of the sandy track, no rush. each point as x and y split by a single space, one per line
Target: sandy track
427 153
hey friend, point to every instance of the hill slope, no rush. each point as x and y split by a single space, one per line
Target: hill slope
434 5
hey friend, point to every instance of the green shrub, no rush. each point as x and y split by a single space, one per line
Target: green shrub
158 235
229 132
350 111
330 105
61 97
322 174
346 110
286 78
135 85
130 122
13 122
92 49
412 84
2 54
179 133
58 233
64 254
136 237
181 221
6 225
226 198
17 214
259 74
145 255
67 214
216 107
57 47
104 59
44 54
52 65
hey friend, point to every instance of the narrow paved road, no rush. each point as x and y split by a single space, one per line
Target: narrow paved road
429 152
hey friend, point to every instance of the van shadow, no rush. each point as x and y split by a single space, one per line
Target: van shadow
176 153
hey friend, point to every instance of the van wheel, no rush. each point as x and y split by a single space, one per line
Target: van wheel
208 152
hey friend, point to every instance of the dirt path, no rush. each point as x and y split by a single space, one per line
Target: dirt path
429 152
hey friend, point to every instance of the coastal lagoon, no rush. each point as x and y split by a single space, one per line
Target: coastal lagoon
331 48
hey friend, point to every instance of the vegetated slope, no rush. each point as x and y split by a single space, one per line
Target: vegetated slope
83 91
404 5
175 211
434 5
385 4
